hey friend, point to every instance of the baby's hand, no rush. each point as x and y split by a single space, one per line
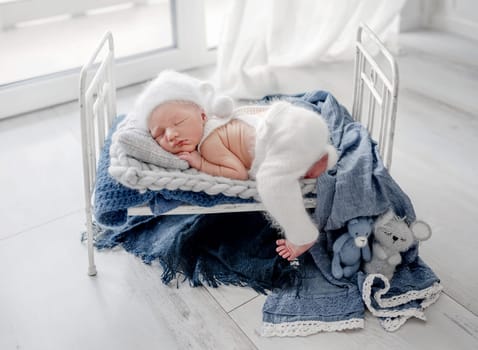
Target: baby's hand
318 168
193 158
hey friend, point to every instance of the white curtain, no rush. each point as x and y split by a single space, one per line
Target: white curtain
261 37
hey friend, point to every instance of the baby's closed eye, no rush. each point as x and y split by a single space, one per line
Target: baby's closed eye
180 121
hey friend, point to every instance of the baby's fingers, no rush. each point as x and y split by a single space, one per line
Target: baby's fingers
184 155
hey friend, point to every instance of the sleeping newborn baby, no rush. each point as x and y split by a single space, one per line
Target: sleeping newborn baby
277 147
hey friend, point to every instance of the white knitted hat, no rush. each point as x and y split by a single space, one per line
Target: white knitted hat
174 86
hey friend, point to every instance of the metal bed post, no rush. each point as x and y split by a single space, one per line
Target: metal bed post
101 87
385 101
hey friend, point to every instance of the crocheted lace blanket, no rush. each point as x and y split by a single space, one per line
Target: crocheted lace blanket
143 176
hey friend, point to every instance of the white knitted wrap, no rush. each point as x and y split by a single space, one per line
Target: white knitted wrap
142 176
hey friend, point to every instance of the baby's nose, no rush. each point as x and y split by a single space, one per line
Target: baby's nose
171 134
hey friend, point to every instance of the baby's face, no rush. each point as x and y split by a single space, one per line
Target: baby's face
177 127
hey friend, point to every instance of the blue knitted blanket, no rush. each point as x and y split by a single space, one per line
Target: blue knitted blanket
239 248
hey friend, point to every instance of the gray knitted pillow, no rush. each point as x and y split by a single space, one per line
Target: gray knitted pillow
139 144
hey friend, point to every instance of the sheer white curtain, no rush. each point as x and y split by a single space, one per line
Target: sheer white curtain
260 37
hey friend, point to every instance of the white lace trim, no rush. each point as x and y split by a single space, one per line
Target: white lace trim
304 328
394 319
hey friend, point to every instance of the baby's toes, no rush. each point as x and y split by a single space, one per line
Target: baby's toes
280 242
285 254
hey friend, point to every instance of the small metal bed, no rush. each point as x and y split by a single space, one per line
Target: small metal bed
374 105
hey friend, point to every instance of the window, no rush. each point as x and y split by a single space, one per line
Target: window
45 42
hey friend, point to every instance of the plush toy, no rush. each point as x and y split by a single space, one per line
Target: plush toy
352 247
393 236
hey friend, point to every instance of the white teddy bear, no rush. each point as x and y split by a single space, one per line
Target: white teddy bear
393 236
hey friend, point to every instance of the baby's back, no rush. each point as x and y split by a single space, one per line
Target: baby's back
237 136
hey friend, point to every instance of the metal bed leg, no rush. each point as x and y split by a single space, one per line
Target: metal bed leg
91 252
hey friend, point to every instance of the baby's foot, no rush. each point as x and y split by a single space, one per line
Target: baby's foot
289 250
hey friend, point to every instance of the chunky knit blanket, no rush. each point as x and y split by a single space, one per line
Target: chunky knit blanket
239 248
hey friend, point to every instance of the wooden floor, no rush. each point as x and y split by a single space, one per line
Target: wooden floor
47 301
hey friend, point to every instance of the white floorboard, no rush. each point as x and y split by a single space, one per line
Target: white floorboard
436 162
232 297
40 170
48 302
441 180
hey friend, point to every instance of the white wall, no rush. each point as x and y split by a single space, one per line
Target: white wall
456 16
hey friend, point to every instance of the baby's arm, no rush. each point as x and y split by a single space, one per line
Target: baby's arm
216 159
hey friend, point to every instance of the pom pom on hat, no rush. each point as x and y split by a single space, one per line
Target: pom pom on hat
174 86
222 106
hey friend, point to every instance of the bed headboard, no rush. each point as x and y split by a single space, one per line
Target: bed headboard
97 109
375 90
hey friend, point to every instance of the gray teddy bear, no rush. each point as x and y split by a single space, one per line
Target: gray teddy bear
393 236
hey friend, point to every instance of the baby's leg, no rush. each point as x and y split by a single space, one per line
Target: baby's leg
281 195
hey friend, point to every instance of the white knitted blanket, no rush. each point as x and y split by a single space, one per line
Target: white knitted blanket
143 176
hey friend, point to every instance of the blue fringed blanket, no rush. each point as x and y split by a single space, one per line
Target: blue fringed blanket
239 248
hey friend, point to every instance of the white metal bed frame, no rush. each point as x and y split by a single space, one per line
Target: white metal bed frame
374 105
